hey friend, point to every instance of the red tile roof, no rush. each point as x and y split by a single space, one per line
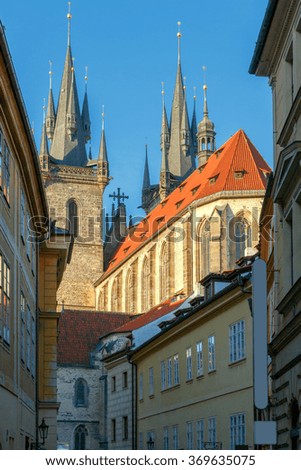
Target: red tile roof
156 312
220 173
79 332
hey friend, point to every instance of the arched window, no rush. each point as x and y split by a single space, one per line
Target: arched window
203 144
205 249
240 235
114 296
80 437
145 284
208 144
164 272
130 291
81 393
72 217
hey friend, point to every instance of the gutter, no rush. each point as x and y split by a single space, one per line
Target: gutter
263 33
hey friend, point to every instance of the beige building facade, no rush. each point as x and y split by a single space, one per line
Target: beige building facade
277 56
31 266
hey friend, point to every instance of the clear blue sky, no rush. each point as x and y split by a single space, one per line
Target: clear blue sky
130 47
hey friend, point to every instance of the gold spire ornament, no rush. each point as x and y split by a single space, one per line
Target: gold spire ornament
69 16
179 35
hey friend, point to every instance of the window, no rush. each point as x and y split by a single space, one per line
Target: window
5 299
113 429
212 430
131 291
189 435
237 341
22 215
6 172
169 372
151 381
23 327
200 433
166 438
164 275
141 386
80 438
145 284
28 238
176 369
175 437
163 376
33 348
199 358
113 384
205 249
188 364
140 440
211 353
81 393
125 428
72 217
237 430
125 380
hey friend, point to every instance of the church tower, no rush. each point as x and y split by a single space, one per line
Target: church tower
205 135
178 143
74 185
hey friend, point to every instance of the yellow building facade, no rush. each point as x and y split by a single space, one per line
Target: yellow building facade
195 378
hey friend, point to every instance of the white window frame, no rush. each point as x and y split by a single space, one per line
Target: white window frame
189 363
176 369
23 326
211 353
175 437
169 372
199 358
28 337
189 435
200 433
6 300
212 430
163 376
141 386
166 438
237 429
151 381
237 343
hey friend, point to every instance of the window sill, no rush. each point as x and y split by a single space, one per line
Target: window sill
189 381
169 389
200 377
238 362
213 371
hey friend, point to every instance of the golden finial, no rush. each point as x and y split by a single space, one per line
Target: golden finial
204 70
86 78
50 74
179 35
69 16
44 110
194 92
72 66
103 117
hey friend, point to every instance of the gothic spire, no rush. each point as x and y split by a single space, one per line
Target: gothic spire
179 165
146 177
194 127
68 144
85 111
206 133
44 151
50 116
102 162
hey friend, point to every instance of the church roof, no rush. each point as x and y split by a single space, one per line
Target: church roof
155 313
79 333
235 166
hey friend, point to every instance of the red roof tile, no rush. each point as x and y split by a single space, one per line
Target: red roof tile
156 312
79 332
238 154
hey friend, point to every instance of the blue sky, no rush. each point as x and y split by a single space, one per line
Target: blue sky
130 47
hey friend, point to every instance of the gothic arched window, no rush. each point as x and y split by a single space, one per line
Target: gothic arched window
81 393
205 249
72 217
203 144
240 236
80 437
164 272
130 291
145 284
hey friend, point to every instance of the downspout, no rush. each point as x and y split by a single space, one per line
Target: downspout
134 405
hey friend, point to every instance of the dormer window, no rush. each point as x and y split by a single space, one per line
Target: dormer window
213 179
178 204
239 174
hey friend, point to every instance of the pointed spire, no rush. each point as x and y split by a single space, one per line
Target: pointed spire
185 128
68 144
206 132
194 127
44 151
103 164
85 111
179 35
50 116
146 178
165 135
